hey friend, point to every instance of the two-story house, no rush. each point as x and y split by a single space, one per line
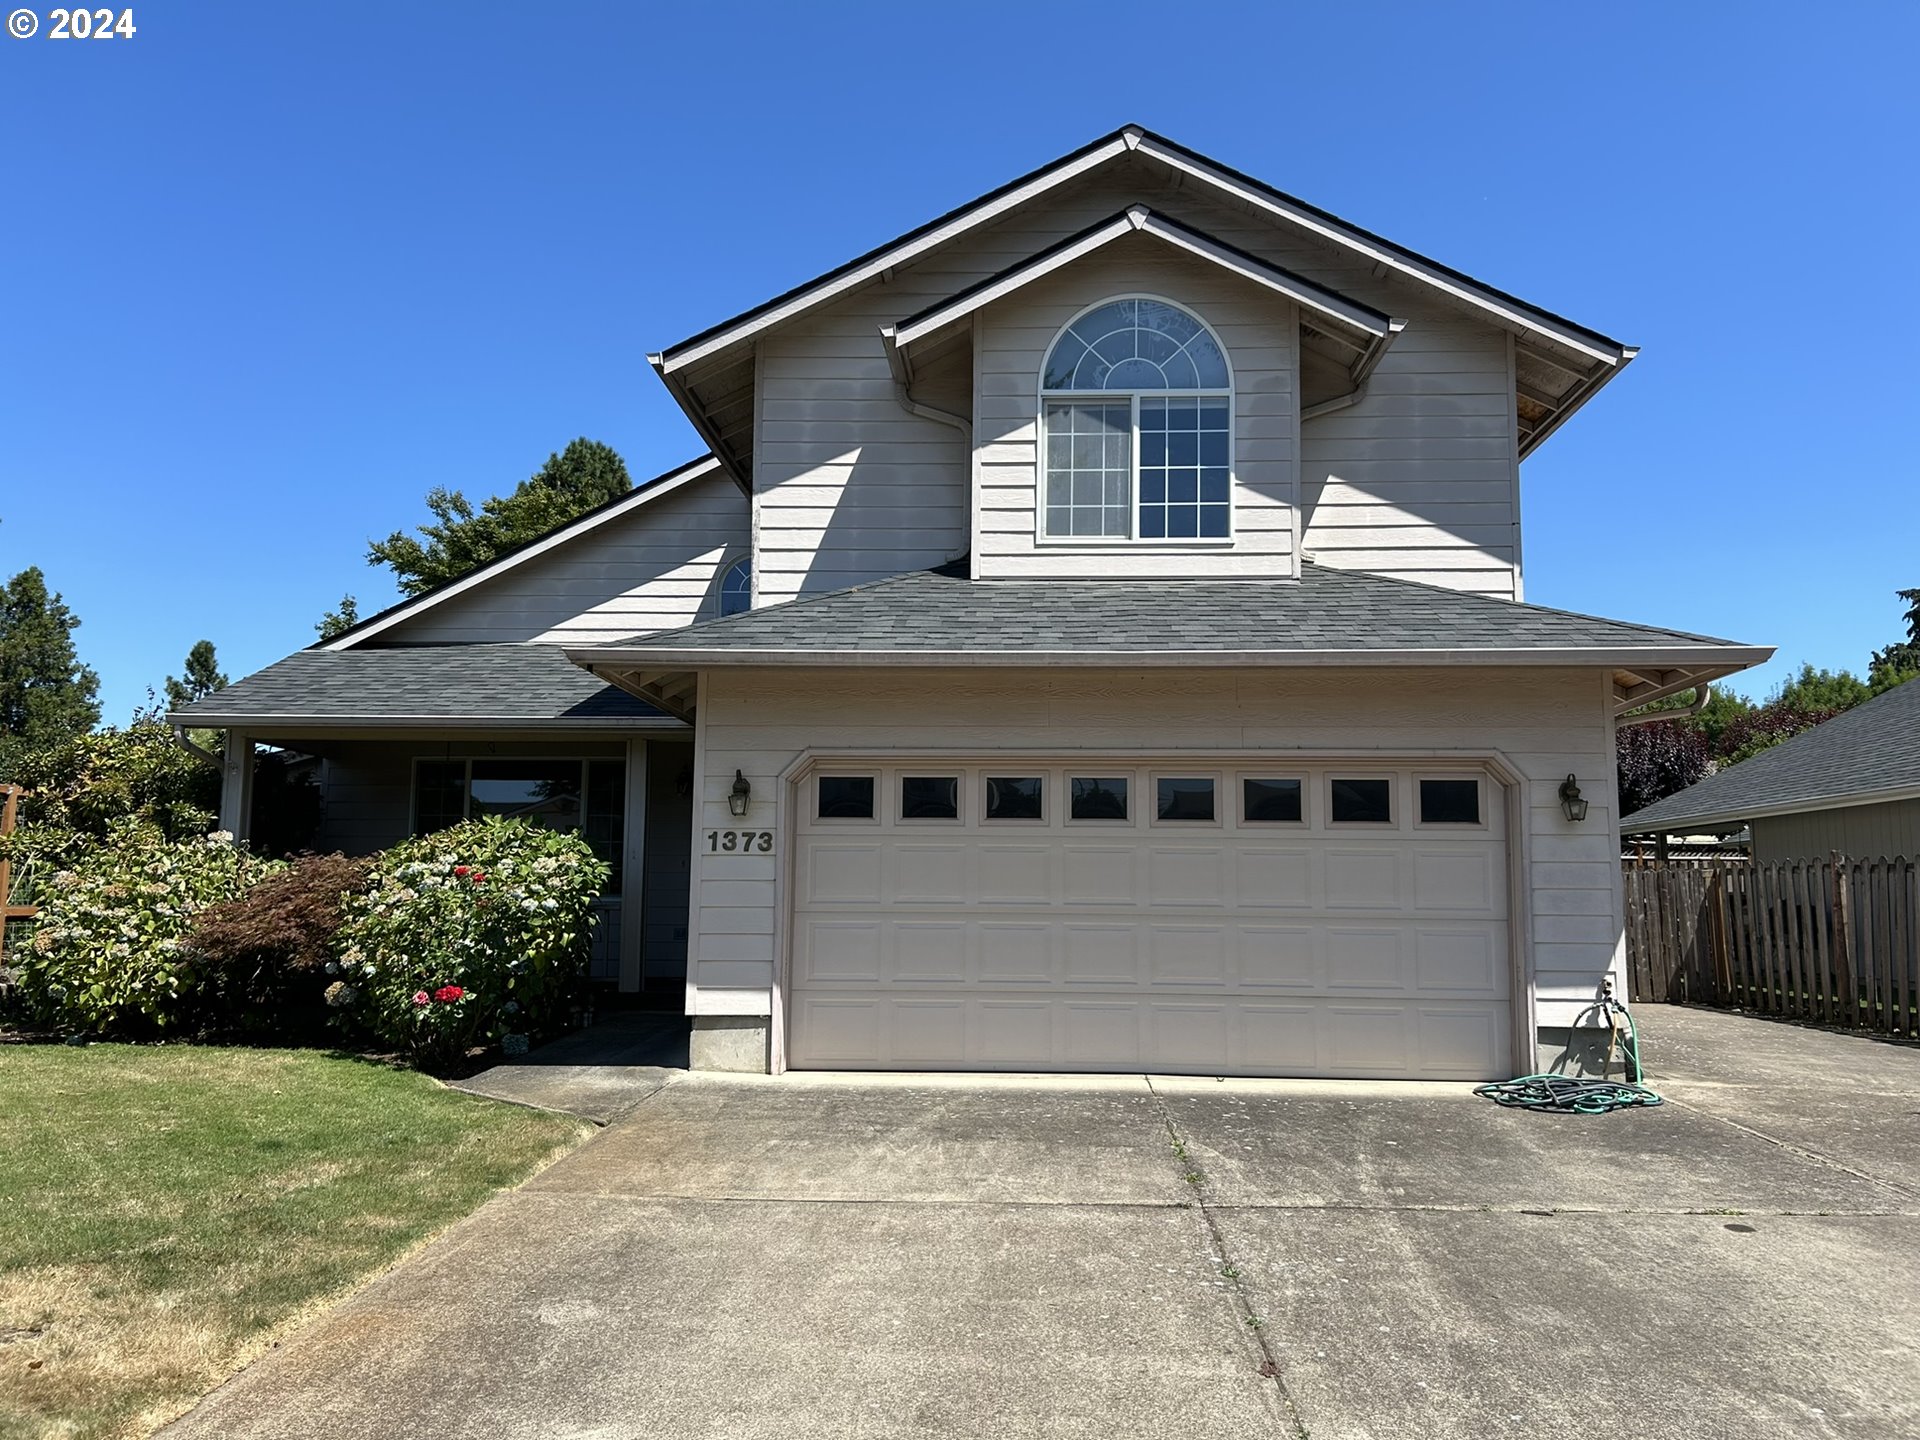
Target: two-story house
1092 641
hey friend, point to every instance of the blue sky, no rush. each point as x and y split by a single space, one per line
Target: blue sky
275 270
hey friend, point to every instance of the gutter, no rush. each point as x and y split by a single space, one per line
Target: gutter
1724 660
1702 694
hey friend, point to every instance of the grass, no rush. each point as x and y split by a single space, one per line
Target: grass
165 1211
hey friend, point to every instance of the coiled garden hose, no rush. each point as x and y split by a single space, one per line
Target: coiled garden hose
1578 1096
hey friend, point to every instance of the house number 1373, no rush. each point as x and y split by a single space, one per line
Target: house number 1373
740 842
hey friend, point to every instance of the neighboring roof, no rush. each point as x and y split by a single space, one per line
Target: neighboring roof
450 686
1364 330
1558 365
1327 617
582 524
1868 755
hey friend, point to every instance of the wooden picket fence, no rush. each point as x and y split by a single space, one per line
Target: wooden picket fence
1835 941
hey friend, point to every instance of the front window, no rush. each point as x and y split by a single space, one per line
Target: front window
585 796
1137 418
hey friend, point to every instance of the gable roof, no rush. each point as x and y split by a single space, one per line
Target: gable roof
1363 330
583 524
1328 617
1561 364
1865 756
444 686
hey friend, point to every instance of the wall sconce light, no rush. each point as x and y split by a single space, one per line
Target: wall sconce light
1571 800
742 792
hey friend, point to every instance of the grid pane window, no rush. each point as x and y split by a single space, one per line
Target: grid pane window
1089 469
1183 469
1172 437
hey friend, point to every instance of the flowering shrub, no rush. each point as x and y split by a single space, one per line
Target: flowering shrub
108 951
469 935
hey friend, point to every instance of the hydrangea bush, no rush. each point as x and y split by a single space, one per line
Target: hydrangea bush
108 953
468 936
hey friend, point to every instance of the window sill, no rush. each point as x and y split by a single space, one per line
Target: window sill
1109 542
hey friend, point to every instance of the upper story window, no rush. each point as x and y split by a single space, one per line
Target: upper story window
1137 417
736 587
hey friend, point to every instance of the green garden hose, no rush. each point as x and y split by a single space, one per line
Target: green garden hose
1582 1097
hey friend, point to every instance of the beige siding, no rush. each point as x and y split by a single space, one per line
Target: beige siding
1865 832
1546 724
654 568
1259 332
1417 480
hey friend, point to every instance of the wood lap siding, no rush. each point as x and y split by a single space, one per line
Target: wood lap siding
1547 724
1417 480
1257 330
654 568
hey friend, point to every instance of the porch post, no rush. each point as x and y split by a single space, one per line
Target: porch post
236 786
633 912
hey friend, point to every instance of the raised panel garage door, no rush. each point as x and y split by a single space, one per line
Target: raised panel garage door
1117 915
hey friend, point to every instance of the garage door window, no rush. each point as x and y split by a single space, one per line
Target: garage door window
1361 802
846 797
1271 801
1098 797
1184 799
929 797
1015 797
1449 802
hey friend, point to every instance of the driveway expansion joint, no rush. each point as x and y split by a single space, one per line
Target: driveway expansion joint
1905 1192
1230 1272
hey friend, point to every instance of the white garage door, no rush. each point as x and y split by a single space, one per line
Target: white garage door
1119 915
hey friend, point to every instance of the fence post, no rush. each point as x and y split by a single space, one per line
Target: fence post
1717 920
1843 941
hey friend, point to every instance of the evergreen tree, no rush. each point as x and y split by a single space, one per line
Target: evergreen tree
46 694
203 677
338 622
462 539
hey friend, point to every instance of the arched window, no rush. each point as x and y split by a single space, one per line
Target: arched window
736 587
1138 413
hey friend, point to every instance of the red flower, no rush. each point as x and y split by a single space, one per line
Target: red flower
448 993
461 870
479 877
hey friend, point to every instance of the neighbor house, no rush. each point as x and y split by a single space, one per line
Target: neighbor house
1092 641
1851 785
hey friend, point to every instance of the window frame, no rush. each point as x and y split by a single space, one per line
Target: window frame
1300 778
727 572
1133 538
958 778
1478 779
1212 777
1396 803
466 762
1125 822
876 814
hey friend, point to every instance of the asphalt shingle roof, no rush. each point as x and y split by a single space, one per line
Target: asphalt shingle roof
1871 749
487 684
941 611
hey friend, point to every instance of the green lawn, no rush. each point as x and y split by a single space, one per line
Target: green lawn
165 1211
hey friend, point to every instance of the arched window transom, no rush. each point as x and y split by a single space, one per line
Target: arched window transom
1138 420
736 587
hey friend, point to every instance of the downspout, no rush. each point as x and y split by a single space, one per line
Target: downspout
180 734
1701 695
1338 402
904 398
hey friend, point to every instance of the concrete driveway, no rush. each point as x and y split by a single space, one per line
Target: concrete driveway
1147 1257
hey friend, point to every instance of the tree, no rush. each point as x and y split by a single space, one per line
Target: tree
1900 661
203 677
1658 760
46 694
338 622
461 539
1811 690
